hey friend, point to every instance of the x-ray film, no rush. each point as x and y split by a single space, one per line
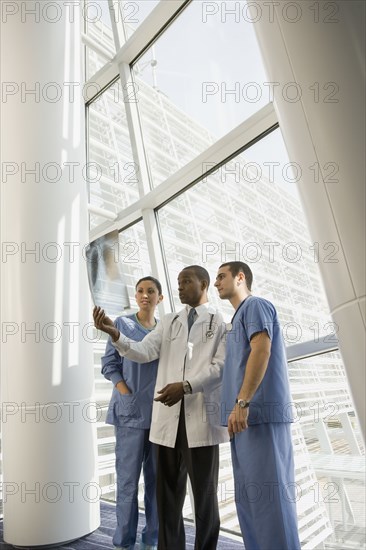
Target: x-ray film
106 280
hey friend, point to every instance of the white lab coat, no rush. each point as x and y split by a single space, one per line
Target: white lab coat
199 360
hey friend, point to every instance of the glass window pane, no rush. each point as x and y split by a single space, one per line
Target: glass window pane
134 255
134 261
200 79
320 388
214 222
325 412
248 210
130 14
98 26
112 171
94 62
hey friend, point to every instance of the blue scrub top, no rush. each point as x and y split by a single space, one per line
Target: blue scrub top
272 400
133 410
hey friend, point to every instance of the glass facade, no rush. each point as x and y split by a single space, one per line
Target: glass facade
334 444
190 87
113 178
247 208
240 212
98 28
129 15
134 260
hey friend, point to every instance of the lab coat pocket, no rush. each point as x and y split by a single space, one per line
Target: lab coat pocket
127 405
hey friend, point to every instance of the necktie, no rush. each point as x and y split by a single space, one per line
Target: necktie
191 318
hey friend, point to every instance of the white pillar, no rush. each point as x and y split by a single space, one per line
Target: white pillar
50 487
320 46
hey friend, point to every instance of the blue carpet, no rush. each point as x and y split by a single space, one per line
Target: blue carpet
102 537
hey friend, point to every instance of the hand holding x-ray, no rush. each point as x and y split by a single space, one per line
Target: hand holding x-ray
104 323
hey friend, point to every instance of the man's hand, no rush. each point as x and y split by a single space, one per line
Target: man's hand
104 323
171 394
238 420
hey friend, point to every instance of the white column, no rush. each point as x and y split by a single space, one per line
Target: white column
48 433
320 46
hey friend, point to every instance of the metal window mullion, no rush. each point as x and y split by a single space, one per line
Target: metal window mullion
101 212
134 128
114 19
99 81
149 29
304 350
156 257
217 154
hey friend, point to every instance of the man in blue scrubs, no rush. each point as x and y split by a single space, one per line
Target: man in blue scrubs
256 408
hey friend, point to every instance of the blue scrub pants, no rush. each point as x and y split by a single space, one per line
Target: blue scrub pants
133 451
265 491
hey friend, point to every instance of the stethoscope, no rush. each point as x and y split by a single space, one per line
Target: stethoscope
209 332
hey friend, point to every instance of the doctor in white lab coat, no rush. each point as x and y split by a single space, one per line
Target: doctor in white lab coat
185 419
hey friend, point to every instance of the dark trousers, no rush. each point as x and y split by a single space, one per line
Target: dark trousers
202 466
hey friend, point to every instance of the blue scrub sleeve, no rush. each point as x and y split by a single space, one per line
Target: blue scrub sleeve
258 317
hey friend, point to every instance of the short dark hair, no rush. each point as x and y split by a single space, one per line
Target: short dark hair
152 279
200 272
236 267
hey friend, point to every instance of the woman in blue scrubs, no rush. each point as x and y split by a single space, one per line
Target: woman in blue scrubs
130 412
